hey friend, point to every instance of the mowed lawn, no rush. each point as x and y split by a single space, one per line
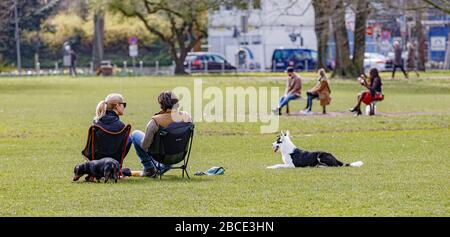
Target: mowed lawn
406 151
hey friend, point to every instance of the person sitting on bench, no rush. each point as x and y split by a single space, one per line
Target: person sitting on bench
292 92
374 94
320 91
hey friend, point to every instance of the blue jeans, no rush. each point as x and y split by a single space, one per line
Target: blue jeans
147 161
285 99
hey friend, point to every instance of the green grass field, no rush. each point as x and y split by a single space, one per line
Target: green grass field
406 151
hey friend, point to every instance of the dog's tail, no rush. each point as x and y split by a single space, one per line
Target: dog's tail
355 164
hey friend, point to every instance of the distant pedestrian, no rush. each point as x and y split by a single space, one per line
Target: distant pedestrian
411 61
398 60
73 59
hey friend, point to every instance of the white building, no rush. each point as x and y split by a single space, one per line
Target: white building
275 24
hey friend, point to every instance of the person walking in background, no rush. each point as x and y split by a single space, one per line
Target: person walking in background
320 91
73 59
411 61
398 60
292 92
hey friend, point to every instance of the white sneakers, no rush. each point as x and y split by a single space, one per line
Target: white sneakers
307 112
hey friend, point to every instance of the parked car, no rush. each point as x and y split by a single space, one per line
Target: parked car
300 59
206 62
378 61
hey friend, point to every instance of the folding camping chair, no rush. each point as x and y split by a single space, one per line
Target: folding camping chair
172 145
102 143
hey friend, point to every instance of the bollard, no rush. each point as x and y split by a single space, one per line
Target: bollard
125 67
56 68
174 66
38 68
91 67
141 67
190 66
306 66
206 66
157 67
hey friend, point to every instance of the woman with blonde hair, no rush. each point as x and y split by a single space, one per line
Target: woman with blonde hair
320 91
107 115
108 112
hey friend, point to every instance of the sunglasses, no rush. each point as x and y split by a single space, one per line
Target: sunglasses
124 104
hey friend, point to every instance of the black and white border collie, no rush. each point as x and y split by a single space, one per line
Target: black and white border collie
294 157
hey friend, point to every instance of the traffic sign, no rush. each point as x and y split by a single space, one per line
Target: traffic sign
133 50
132 40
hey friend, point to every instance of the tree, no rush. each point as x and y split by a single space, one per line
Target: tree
442 5
30 15
99 35
344 67
359 48
322 27
180 24
420 37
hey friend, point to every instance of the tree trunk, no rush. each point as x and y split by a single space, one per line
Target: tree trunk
362 13
344 67
178 59
322 27
447 55
99 31
420 38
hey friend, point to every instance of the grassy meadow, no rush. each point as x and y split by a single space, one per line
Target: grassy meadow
405 148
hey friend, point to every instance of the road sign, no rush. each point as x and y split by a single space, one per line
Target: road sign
132 40
438 43
370 30
133 50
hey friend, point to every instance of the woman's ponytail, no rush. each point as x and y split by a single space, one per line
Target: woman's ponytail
100 111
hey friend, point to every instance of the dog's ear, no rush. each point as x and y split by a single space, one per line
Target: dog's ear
288 134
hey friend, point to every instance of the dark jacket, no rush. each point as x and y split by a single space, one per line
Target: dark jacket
110 122
375 86
398 56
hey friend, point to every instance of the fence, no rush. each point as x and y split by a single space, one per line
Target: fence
153 69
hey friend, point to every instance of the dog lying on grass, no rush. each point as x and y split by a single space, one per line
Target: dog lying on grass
294 157
106 167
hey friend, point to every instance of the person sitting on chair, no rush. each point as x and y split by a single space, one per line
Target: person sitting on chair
142 141
320 91
292 92
107 116
374 94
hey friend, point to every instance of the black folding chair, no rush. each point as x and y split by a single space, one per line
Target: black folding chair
172 145
102 143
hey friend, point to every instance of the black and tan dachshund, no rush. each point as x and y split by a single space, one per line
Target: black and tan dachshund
105 167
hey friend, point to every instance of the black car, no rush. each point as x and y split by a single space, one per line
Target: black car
300 59
206 62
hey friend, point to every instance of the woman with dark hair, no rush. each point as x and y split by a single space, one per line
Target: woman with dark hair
374 94
169 113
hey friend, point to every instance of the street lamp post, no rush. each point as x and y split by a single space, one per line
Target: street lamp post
17 37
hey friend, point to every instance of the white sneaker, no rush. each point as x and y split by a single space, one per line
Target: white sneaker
308 113
276 111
